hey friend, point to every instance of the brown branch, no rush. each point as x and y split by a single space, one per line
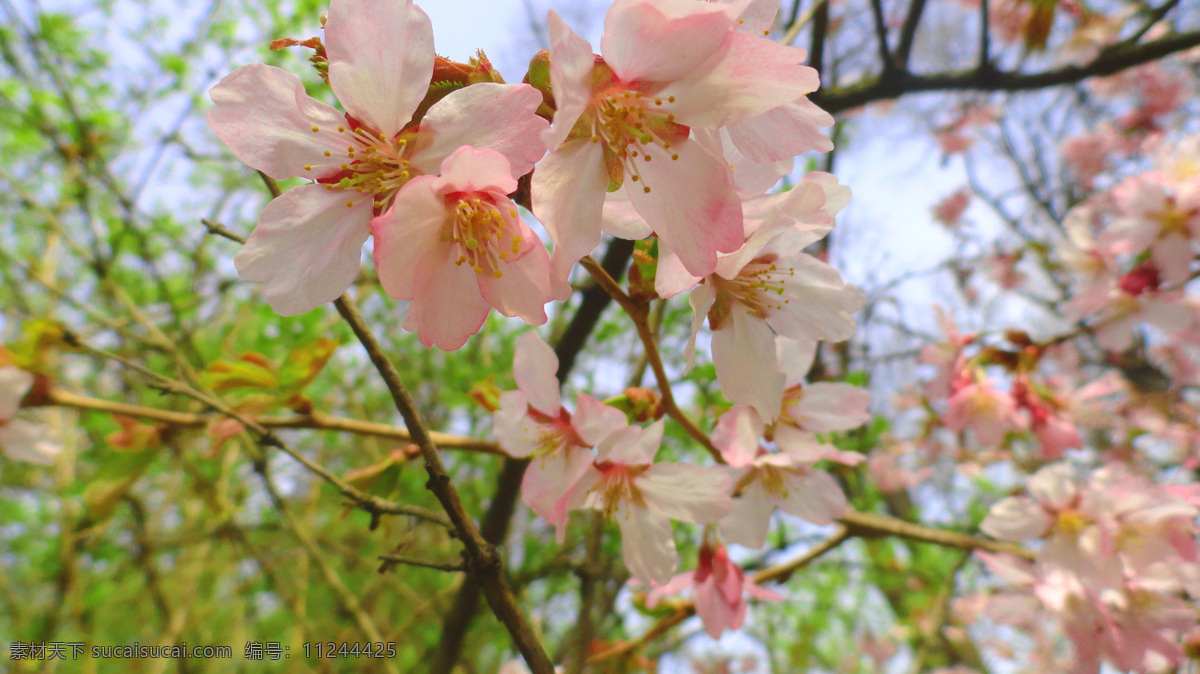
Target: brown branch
314 420
869 525
1112 60
482 558
639 313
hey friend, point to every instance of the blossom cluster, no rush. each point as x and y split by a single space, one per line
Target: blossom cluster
675 131
1118 562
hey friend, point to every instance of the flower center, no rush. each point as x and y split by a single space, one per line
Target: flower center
479 232
616 486
372 164
758 287
628 121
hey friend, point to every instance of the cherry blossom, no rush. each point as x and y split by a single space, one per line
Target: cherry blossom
454 245
768 287
308 242
765 481
626 119
644 497
532 422
718 587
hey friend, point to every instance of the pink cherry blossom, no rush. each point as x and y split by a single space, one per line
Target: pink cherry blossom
718 587
455 246
764 481
308 242
19 439
644 497
974 403
667 66
768 287
532 422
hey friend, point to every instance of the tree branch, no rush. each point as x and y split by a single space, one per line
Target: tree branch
482 558
1108 62
592 304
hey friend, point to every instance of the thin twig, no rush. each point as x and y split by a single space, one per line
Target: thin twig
639 314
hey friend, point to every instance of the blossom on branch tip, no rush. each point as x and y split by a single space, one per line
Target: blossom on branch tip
308 242
718 587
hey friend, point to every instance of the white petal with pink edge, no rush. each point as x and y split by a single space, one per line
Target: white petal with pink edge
748 521
1016 519
661 41
750 76
307 247
380 61
568 198
264 115
687 492
571 64
783 132
534 368
632 445
737 435
647 544
690 204
815 497
743 351
831 406
549 479
593 420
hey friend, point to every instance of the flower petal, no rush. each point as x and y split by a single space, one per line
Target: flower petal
380 60
486 116
750 76
687 492
1016 519
14 384
631 445
737 435
568 198
571 65
691 204
409 230
815 498
447 307
783 132
743 352
594 421
661 41
748 521
265 117
549 479
307 247
647 544
534 368
21 440
831 406
517 432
